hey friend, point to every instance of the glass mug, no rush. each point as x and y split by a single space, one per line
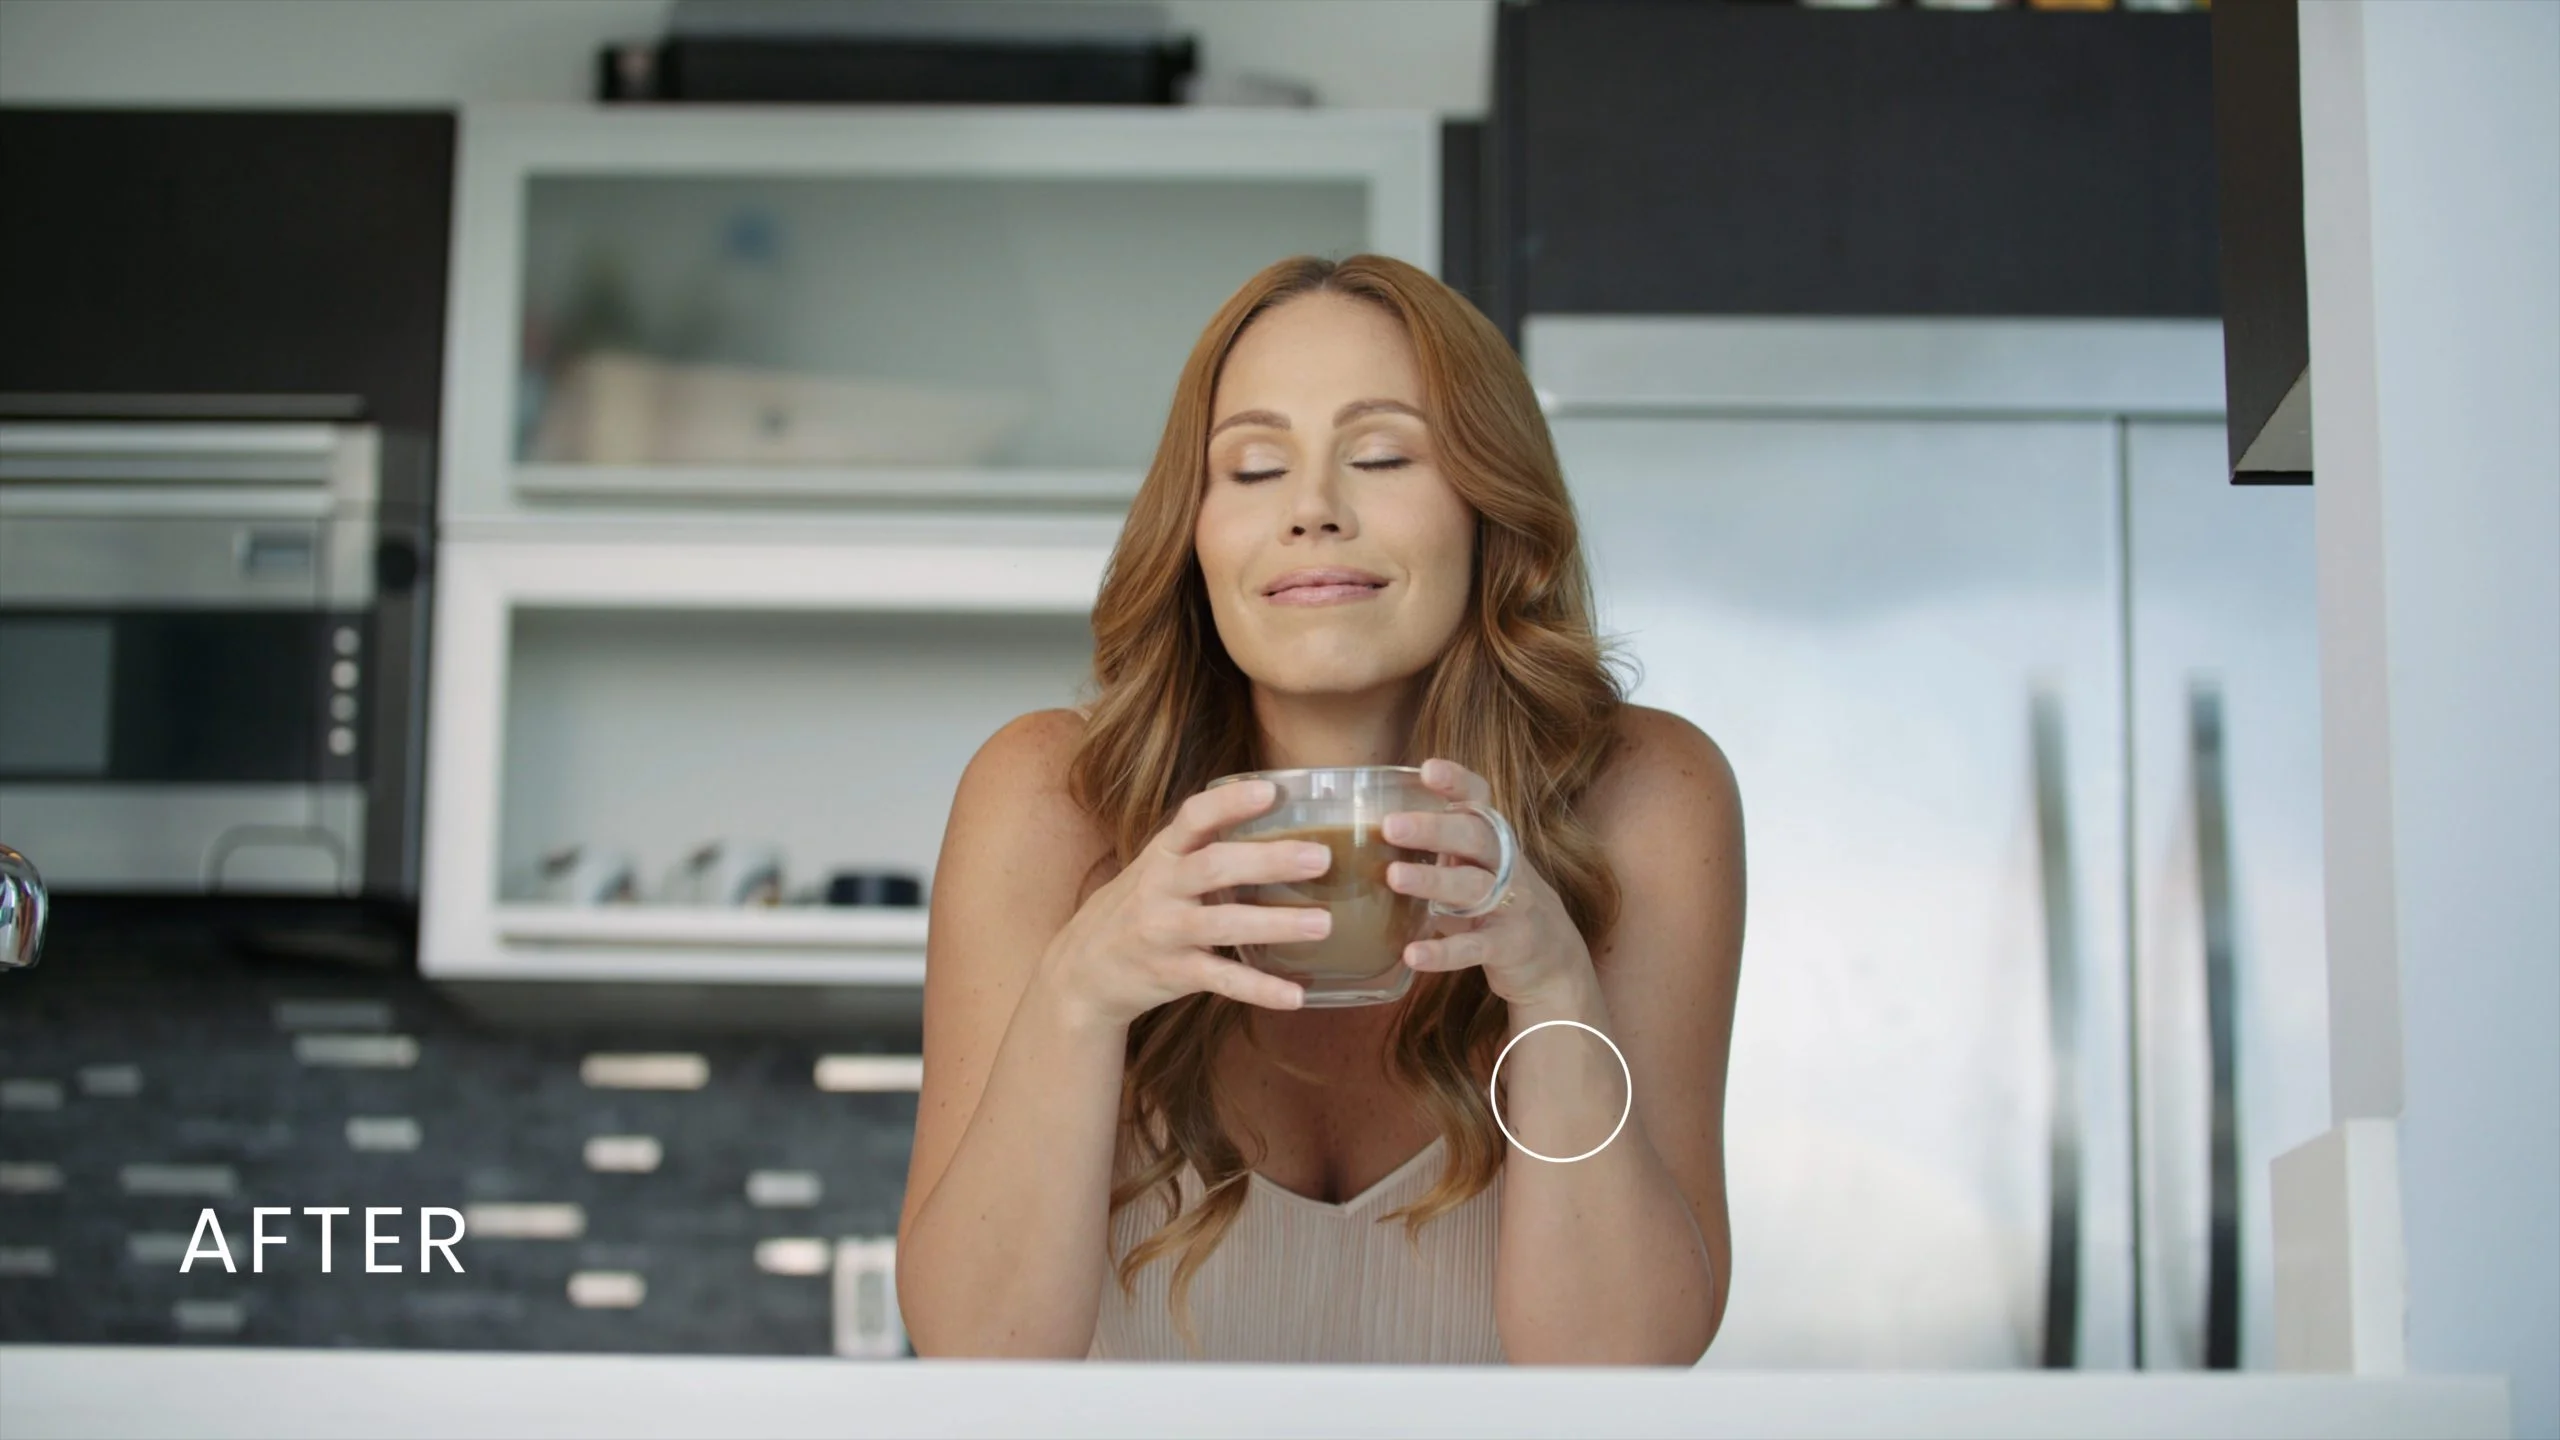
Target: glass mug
1345 808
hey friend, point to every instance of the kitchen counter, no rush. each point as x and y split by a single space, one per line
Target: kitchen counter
48 1391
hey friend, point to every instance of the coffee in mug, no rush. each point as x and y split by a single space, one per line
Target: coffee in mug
1344 808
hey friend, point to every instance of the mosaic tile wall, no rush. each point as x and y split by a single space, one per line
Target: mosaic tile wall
624 1190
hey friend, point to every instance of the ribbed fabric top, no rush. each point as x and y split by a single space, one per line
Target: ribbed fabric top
1303 1280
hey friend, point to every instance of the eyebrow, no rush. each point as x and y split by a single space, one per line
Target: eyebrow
1343 416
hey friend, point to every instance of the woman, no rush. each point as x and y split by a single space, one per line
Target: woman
1089 1060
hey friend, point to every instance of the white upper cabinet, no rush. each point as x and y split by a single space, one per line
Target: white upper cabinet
684 309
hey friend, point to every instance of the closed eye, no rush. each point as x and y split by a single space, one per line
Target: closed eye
1248 477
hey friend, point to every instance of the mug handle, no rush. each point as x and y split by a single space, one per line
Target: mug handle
1507 858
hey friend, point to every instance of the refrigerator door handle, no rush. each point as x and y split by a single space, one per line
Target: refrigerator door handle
2214 886
2062 986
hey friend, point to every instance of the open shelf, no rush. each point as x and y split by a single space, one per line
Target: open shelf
781 927
645 698
914 484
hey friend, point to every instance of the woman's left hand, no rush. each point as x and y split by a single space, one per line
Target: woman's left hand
1528 946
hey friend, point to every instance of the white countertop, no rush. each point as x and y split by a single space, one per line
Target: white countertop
48 1391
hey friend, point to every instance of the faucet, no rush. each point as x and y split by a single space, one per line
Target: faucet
21 911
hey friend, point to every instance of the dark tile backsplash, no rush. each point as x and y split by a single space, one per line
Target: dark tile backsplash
153 1066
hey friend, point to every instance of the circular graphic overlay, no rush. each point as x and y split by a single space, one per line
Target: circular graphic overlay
1493 1093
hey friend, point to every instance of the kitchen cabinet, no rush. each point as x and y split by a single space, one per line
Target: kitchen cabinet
222 263
785 449
1725 159
681 309
647 697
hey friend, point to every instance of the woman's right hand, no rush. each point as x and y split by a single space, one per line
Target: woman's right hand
1146 937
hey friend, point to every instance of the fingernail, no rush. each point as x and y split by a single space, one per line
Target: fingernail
1399 827
1316 922
1314 857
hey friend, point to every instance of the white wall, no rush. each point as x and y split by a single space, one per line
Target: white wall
2432 188
1423 54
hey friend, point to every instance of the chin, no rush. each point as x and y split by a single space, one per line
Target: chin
1328 679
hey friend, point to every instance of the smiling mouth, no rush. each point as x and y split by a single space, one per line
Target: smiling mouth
1323 594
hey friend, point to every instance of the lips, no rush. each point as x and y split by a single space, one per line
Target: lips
1328 582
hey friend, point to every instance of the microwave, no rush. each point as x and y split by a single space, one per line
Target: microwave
213 655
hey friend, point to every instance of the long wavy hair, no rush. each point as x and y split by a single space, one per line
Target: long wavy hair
1526 694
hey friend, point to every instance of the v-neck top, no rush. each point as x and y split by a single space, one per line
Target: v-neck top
1298 1279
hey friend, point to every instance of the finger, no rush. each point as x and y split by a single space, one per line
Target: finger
1250 862
1460 887
1455 780
1238 981
1449 952
1459 833
1260 924
1198 820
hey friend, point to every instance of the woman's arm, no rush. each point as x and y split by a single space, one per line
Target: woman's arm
1030 988
1002 1243
1625 1258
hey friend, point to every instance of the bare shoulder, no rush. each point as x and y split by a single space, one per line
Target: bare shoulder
1033 747
1665 772
1014 809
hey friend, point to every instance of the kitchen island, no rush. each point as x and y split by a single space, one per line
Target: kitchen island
62 1391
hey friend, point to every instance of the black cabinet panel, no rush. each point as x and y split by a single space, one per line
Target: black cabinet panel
2266 324
1462 229
227 252
1702 158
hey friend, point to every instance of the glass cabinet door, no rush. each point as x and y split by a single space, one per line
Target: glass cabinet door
698 308
900 321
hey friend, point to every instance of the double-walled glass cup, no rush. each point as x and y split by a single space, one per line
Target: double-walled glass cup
1345 808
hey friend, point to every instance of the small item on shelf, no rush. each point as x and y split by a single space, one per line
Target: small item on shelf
874 887
1247 89
585 875
616 407
726 873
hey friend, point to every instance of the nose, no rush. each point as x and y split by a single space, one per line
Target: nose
1316 504
22 904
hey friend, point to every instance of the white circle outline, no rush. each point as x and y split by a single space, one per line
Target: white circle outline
1493 1089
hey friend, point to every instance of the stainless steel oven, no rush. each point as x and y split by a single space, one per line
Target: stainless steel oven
212 656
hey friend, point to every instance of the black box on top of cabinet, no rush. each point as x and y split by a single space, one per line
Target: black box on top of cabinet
1660 157
905 71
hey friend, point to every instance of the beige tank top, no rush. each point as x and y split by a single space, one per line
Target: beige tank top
1306 1280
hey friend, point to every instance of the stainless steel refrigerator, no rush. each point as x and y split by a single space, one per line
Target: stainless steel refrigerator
2022 698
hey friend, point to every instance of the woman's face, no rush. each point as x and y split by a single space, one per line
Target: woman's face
1320 461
